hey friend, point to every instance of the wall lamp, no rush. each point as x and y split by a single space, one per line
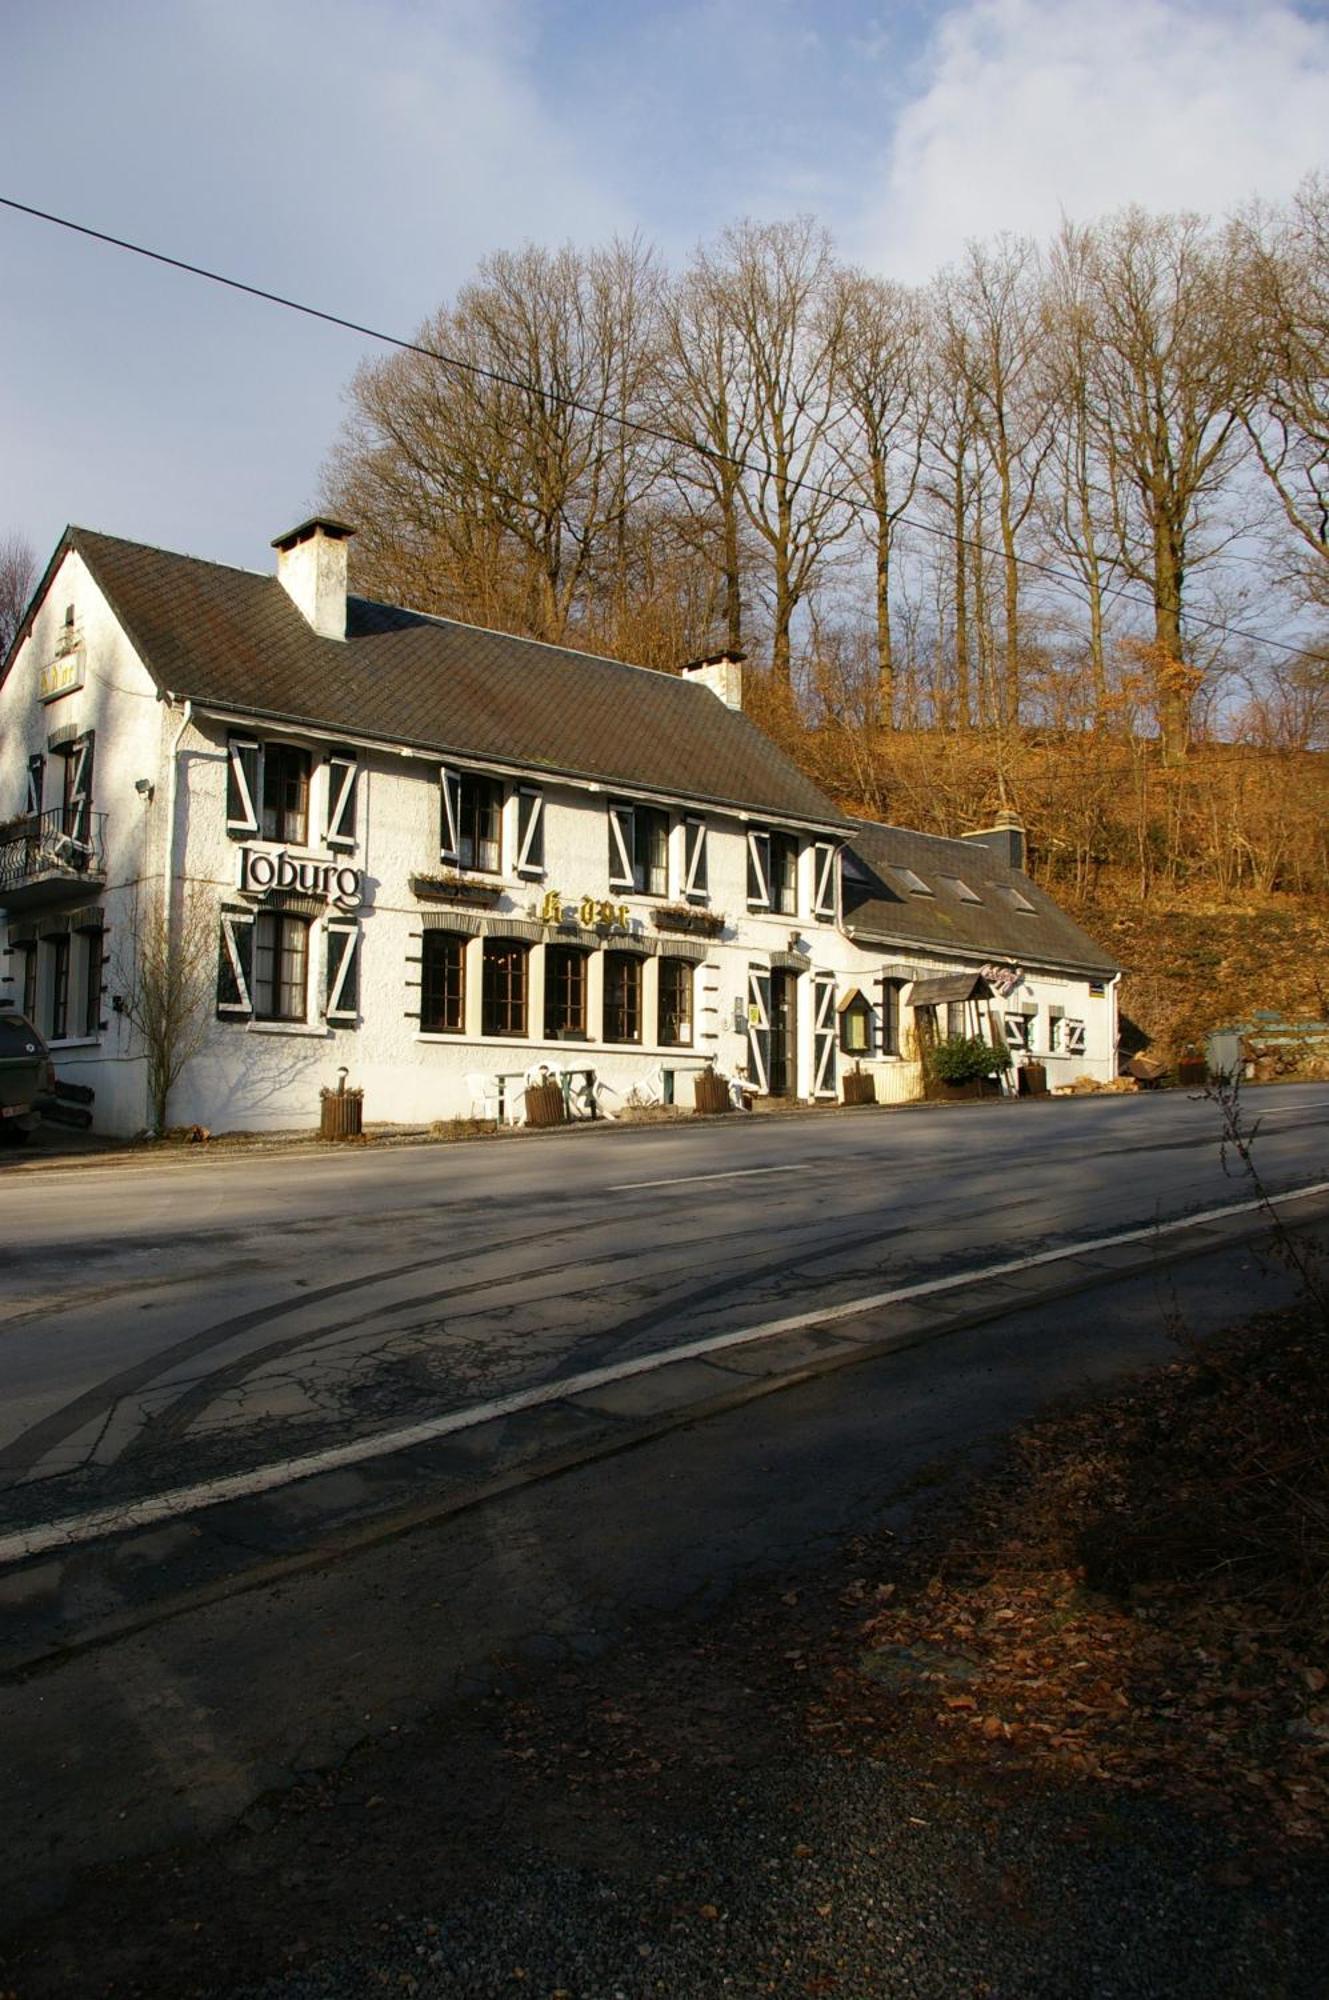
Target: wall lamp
145 788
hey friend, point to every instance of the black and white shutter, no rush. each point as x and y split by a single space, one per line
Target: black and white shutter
759 1028
530 831
241 787
694 860
449 816
823 1035
823 879
759 871
36 783
1074 1037
620 847
342 996
80 787
235 966
342 769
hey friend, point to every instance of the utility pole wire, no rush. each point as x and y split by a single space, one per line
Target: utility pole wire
604 414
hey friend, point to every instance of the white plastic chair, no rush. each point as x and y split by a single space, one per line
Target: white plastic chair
486 1095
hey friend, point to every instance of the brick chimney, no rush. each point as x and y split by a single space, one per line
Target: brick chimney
311 569
721 672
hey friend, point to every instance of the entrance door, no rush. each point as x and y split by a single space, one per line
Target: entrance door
784 1040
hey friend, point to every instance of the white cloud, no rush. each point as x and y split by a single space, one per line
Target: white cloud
1030 108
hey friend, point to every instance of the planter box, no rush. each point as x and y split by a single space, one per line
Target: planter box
1033 1078
544 1104
710 1093
859 1088
341 1114
1192 1073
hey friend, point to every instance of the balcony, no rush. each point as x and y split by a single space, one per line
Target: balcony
51 857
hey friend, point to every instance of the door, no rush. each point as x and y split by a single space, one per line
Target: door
784 1040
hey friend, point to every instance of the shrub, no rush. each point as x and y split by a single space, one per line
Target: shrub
966 1058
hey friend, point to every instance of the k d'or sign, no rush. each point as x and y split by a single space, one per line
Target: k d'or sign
263 868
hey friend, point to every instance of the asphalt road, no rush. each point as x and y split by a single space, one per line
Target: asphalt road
192 1318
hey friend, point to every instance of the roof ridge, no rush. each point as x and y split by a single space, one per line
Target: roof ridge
177 555
524 639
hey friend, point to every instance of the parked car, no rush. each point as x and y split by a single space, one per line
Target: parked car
26 1077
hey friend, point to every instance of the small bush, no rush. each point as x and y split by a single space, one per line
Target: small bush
967 1058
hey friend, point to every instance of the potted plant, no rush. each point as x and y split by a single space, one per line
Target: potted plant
967 1066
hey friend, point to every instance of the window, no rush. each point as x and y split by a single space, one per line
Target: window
650 851
1016 898
281 966
955 1017
959 889
92 983
442 984
565 992
675 1003
1017 1031
622 1010
1067 1037
890 1016
479 820
59 988
784 874
503 988
912 882
856 1027
285 799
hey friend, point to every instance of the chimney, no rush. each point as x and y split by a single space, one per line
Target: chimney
1005 839
721 672
311 569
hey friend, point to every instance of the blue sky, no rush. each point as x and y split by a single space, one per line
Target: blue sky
363 154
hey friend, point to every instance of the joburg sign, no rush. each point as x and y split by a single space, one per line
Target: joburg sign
262 869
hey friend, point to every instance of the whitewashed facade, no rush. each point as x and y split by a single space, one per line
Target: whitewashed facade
434 923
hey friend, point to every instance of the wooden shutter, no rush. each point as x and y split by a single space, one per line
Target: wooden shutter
235 960
823 1035
36 783
823 879
80 787
241 787
759 871
530 831
620 847
694 860
449 816
342 769
759 1028
342 991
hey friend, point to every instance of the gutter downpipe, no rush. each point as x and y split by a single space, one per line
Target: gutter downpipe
168 879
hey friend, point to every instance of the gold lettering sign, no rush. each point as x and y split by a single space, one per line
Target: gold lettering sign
60 676
589 911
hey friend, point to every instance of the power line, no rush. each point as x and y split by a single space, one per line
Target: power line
602 413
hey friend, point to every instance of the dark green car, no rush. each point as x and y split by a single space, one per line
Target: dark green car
26 1077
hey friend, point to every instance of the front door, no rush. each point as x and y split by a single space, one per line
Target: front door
784 1040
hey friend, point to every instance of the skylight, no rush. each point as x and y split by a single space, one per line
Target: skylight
1019 901
913 883
960 889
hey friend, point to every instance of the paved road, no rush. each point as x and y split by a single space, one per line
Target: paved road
163 1322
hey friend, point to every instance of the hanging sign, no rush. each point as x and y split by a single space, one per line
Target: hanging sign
1003 979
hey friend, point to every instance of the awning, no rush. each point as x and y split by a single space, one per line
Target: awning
944 992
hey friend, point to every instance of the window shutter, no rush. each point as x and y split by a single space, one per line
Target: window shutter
823 1036
342 1006
759 1028
235 959
759 871
694 860
342 769
36 783
530 831
80 787
823 895
449 798
241 788
620 847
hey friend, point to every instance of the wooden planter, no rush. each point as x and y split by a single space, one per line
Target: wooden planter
342 1114
1192 1073
710 1093
544 1103
859 1088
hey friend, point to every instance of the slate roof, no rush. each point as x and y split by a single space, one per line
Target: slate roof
881 906
232 639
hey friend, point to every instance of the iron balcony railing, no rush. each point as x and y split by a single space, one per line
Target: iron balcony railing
61 842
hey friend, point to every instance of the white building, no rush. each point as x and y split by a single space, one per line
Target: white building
435 856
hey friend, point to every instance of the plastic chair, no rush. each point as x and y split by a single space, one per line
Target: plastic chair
486 1095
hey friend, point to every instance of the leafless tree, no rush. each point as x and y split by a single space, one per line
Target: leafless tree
18 580
165 974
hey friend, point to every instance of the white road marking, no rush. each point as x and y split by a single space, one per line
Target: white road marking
75 1528
695 1180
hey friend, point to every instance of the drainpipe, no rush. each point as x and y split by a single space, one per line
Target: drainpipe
171 788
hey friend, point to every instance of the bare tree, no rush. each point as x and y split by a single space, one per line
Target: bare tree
18 580
166 976
1164 396
884 388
